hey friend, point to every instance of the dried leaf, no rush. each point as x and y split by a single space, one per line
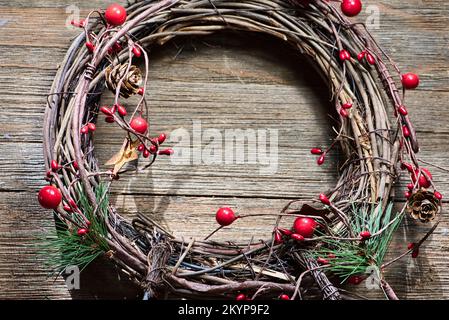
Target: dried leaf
127 153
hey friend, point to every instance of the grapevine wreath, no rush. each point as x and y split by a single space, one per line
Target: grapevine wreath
335 238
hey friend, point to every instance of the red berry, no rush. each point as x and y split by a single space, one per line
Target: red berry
324 199
331 256
49 174
67 208
166 152
277 237
438 195
75 165
146 153
49 197
284 297
106 111
55 166
305 227
316 151
72 203
297 237
415 253
370 58
82 232
141 91
321 159
351 8
365 235
122 111
408 166
410 186
344 113
115 14
153 149
117 47
90 46
403 110
285 232
407 194
361 56
406 131
92 126
347 105
136 52
109 119
225 216
161 138
322 261
355 279
411 245
410 81
84 130
423 181
141 147
241 297
344 55
80 24
139 125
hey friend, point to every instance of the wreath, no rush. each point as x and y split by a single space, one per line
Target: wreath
335 238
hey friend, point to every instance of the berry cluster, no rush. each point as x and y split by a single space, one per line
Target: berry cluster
50 197
421 179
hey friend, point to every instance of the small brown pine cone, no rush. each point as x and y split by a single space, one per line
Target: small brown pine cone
132 81
423 206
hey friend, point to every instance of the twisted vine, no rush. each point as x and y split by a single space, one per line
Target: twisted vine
370 133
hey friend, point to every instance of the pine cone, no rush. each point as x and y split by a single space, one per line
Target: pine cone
131 82
423 205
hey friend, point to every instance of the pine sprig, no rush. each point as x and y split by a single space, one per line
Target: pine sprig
63 247
353 258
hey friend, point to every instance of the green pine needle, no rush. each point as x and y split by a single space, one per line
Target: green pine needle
63 247
352 258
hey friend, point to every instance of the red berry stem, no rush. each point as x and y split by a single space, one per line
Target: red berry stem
213 232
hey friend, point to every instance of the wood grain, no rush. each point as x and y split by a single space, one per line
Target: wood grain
226 83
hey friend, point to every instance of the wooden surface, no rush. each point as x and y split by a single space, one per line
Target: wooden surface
225 84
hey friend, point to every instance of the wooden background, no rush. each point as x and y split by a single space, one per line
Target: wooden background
226 82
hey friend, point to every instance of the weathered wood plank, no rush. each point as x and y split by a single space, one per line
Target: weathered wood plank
296 111
225 83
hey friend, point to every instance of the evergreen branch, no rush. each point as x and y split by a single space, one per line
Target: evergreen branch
63 247
351 258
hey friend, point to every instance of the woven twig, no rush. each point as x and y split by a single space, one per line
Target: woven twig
370 137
